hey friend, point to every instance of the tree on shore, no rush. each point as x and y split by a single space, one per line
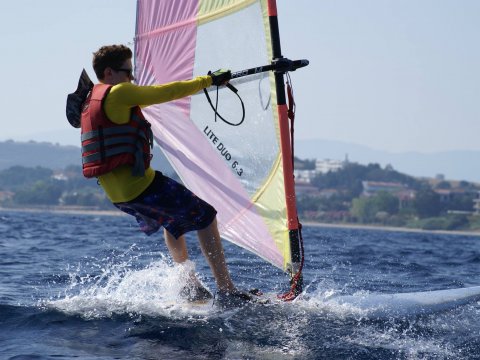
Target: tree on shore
427 203
41 193
377 207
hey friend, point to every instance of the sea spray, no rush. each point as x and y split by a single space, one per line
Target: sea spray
153 290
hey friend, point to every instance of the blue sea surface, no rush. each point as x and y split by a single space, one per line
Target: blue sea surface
95 287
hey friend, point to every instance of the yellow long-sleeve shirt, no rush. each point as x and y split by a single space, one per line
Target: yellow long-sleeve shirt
119 184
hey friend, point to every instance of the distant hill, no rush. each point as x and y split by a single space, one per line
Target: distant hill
31 154
55 156
455 165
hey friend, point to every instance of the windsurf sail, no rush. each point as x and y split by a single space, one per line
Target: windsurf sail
244 171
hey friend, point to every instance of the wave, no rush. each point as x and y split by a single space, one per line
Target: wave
152 291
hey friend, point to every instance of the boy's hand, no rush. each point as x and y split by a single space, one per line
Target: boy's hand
220 77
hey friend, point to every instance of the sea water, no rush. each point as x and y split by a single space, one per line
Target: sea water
95 287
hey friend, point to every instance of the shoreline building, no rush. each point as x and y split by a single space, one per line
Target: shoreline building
400 191
476 203
321 167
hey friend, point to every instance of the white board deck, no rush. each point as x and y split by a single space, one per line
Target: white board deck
408 304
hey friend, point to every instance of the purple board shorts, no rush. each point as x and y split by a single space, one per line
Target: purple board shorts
171 205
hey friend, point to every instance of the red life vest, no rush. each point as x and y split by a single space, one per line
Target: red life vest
106 145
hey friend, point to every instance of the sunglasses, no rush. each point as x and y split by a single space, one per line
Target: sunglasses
129 72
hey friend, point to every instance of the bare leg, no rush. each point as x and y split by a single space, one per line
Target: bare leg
176 247
194 289
212 249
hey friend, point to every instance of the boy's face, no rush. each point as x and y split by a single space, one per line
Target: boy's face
119 75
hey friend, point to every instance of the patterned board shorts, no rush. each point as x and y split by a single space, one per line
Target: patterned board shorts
171 205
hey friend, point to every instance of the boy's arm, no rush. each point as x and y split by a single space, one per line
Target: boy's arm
124 96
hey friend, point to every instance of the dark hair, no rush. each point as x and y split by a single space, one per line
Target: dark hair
112 56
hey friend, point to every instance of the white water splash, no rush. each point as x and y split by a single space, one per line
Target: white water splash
154 290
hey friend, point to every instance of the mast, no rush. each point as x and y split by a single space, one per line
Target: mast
286 146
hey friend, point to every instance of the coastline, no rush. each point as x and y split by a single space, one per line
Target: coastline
391 228
72 210
78 210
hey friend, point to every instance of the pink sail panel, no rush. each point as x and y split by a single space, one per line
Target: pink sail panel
234 169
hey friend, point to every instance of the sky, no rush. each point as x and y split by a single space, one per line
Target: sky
393 75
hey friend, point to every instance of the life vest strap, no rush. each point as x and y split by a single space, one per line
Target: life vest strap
108 153
97 145
117 130
146 125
